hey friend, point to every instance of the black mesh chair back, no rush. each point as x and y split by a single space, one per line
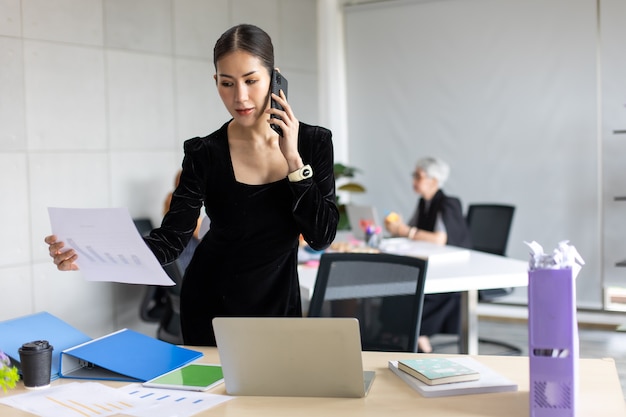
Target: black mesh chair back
154 300
161 304
384 292
489 226
169 328
144 225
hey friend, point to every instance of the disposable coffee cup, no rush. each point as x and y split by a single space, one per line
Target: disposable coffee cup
36 363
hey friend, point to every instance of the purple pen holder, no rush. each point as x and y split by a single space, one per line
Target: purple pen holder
553 343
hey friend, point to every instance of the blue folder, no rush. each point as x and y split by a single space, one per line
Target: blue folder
124 355
39 326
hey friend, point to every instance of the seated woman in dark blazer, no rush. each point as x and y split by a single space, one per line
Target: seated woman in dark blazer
438 219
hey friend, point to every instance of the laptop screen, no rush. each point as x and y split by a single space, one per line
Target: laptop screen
285 356
359 215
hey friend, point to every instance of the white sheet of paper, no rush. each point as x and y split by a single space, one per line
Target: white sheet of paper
77 399
170 402
85 399
108 245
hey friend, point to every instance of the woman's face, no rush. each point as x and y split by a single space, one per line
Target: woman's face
423 184
243 84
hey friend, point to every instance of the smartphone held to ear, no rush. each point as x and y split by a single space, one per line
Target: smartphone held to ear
279 82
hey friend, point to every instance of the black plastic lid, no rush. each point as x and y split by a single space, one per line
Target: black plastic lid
36 345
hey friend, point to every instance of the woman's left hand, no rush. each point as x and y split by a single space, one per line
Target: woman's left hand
289 124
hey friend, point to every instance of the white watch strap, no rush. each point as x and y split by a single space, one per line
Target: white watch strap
301 174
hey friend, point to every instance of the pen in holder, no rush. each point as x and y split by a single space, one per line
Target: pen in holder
373 237
553 339
373 233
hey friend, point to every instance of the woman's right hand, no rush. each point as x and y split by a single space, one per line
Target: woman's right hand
64 260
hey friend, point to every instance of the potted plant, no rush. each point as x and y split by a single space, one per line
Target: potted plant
8 373
343 179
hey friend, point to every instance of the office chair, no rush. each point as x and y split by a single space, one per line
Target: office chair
169 329
384 292
144 225
161 304
489 226
154 301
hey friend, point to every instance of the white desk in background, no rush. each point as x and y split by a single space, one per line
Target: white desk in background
478 271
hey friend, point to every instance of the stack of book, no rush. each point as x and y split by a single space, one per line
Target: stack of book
441 377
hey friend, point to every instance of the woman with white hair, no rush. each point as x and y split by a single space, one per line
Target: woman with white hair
438 219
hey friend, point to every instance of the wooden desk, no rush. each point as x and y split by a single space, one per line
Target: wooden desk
480 271
600 394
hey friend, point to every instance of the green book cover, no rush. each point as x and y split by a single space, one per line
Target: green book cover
434 371
192 377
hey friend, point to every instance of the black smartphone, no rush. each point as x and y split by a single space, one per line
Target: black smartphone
279 82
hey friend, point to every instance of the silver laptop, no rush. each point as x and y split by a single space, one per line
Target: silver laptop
292 357
356 213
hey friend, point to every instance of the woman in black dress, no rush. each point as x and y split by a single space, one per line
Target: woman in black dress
260 190
438 219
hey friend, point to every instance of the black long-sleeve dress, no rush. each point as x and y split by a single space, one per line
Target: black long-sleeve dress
441 312
246 264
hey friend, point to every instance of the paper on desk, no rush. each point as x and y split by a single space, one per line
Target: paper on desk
108 245
85 399
78 399
425 250
171 402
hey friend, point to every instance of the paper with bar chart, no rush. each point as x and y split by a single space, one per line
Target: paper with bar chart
74 399
108 245
93 399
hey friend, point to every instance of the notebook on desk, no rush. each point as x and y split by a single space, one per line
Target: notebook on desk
292 357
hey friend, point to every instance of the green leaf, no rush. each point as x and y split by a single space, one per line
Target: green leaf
352 187
341 170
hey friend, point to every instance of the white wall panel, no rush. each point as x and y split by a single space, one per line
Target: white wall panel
197 26
141 101
297 47
20 302
10 18
73 21
139 25
86 305
505 91
14 212
13 133
303 102
65 96
141 180
613 64
263 13
79 180
199 108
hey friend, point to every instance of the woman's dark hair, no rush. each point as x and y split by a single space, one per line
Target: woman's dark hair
247 38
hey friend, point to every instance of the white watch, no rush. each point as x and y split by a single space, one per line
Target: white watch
301 174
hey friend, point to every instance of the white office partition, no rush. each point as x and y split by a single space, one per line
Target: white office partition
613 64
504 90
